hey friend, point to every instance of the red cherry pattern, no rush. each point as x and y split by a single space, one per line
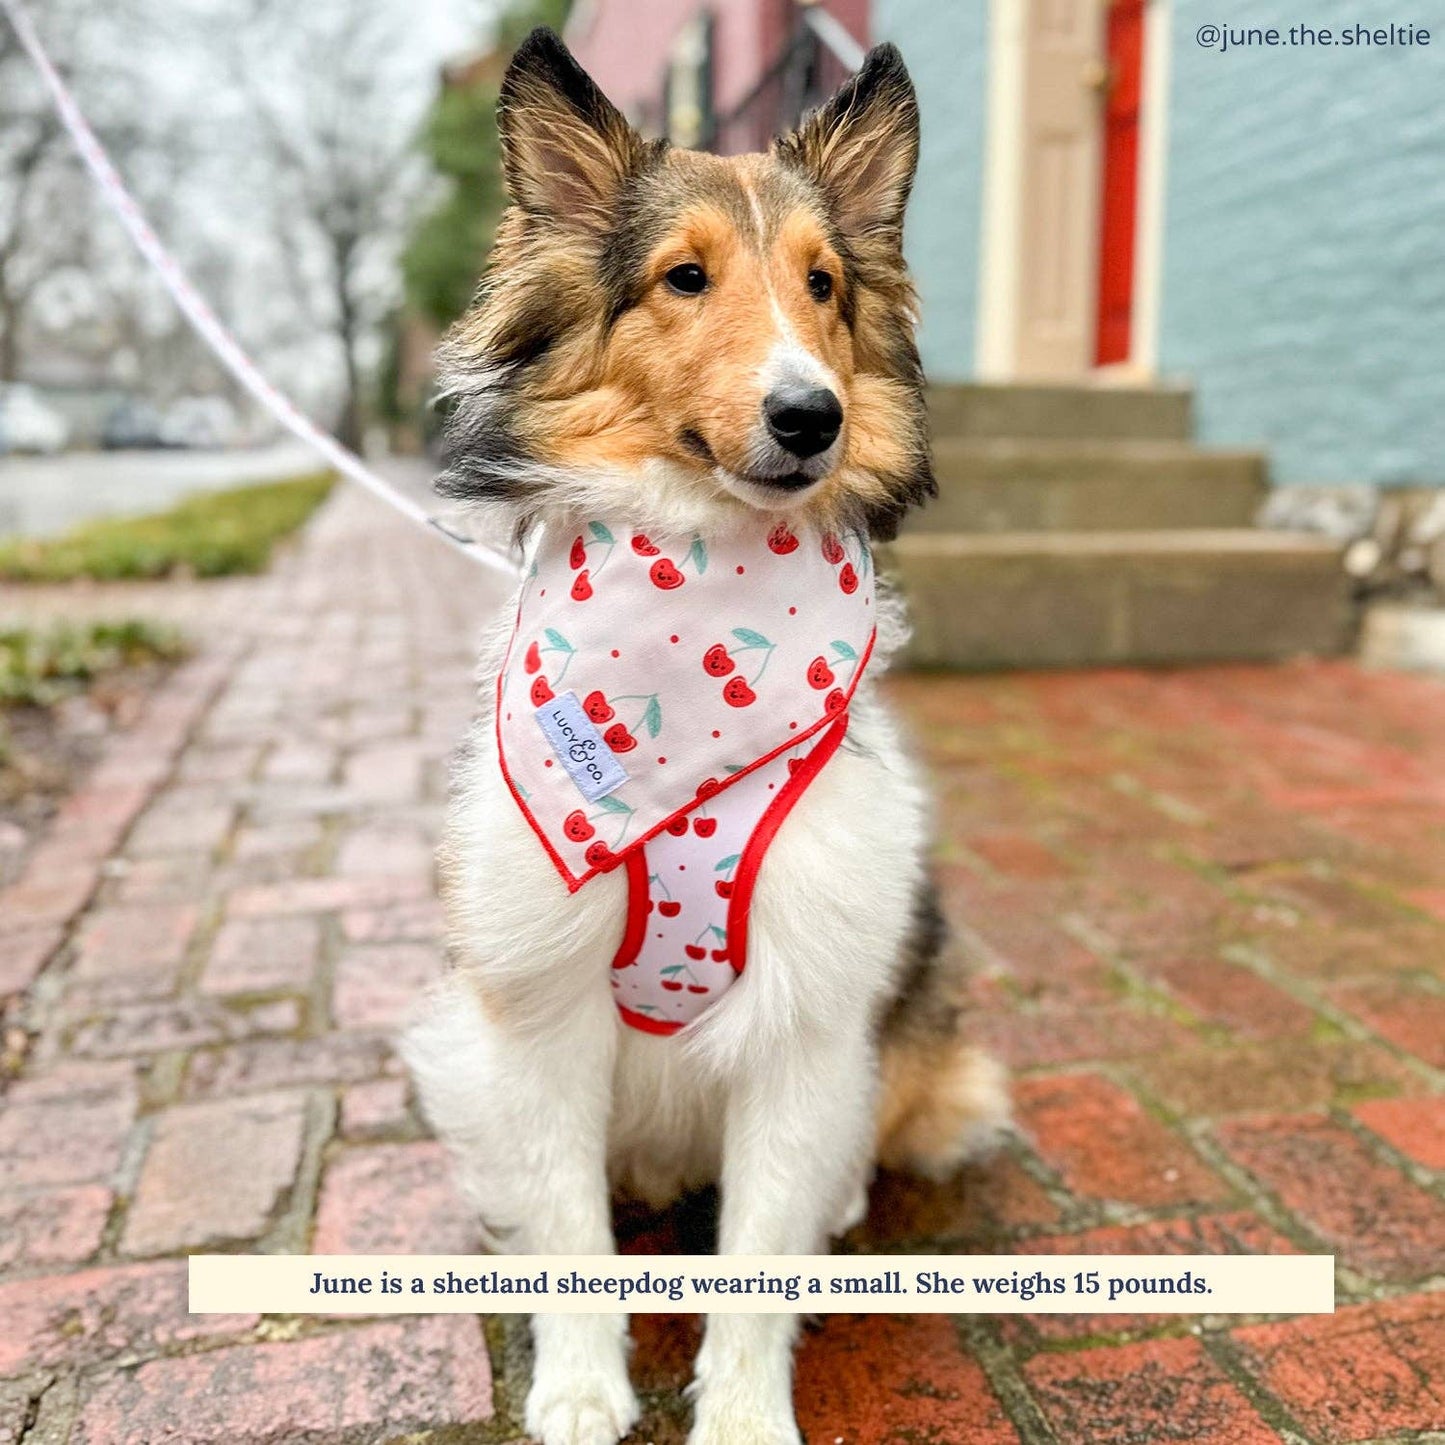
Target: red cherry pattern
704 827
541 691
820 675
848 579
782 540
643 545
577 828
833 549
718 661
669 908
581 586
619 739
532 662
665 575
577 557
596 706
737 693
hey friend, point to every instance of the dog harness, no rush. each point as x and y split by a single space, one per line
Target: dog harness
664 702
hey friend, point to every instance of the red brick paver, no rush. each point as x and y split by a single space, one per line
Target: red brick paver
1367 1371
884 1378
1157 1390
402 1375
1205 911
1380 1222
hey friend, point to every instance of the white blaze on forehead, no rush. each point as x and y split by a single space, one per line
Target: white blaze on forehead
757 208
789 360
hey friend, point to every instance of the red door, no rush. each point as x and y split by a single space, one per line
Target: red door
1120 205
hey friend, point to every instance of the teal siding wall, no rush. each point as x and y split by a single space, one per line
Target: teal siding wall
1304 248
945 45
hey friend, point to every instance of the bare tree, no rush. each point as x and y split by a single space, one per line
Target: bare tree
50 217
32 150
273 148
344 175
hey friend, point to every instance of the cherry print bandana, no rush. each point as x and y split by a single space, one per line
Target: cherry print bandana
647 675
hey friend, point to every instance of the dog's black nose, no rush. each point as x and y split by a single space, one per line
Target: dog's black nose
804 420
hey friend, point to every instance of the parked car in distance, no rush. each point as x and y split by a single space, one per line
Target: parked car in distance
131 423
27 424
200 421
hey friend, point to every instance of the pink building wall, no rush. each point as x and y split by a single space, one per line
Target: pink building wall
625 44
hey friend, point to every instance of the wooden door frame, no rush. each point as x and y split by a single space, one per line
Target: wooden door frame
996 341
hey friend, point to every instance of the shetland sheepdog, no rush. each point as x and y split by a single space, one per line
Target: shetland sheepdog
644 310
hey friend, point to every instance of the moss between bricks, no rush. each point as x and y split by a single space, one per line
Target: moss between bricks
39 667
214 534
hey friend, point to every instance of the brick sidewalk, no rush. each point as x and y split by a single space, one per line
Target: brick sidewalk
1209 910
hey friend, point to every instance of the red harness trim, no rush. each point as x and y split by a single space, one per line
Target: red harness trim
649 1025
637 895
741 903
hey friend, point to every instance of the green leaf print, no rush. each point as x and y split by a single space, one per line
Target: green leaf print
723 864
652 718
557 640
601 533
749 638
697 555
844 650
613 805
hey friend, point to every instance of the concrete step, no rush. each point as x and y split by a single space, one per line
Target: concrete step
1070 599
1134 413
1004 484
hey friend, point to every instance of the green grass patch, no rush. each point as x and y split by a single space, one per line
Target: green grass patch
212 534
38 668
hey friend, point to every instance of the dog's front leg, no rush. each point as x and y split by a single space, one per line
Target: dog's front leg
580 1392
795 1152
525 1112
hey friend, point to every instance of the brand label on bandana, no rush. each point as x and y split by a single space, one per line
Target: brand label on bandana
590 763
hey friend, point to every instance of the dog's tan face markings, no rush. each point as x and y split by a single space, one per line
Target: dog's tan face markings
747 320
735 299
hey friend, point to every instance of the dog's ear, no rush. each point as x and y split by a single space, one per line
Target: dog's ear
861 147
565 147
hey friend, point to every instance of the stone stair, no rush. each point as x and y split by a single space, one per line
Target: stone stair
1079 526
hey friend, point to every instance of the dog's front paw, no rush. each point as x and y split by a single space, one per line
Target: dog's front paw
580 1392
573 1408
741 1424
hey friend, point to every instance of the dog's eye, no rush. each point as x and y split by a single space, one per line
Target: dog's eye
820 285
688 280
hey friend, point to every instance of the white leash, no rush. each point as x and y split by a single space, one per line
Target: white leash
200 315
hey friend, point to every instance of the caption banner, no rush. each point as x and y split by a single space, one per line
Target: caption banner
763 1284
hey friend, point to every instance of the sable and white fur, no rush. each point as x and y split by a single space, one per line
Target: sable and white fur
839 1046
